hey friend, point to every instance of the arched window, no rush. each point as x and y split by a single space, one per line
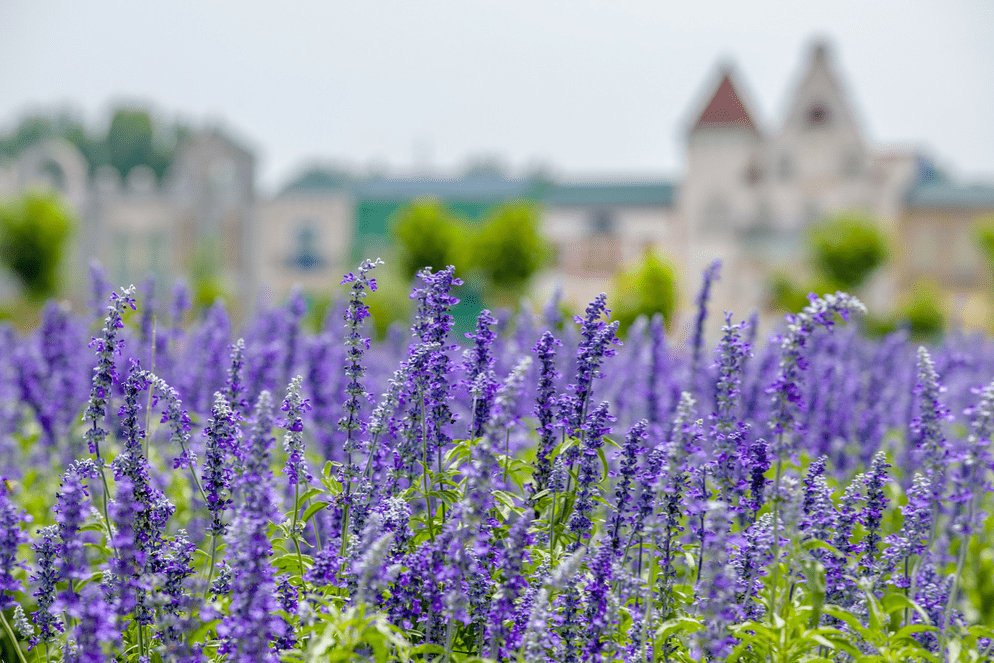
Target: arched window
817 115
305 254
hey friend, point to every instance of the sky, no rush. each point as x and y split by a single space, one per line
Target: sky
579 88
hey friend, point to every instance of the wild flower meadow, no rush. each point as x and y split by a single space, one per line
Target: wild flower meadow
536 491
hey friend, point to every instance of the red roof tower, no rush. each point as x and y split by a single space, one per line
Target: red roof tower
725 110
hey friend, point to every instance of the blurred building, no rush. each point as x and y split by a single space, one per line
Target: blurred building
200 218
749 195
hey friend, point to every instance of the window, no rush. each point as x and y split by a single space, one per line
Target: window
304 255
753 174
817 115
602 222
785 168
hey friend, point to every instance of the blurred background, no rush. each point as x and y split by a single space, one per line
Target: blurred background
549 150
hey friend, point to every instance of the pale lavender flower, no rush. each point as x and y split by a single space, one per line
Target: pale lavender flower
11 536
296 468
788 402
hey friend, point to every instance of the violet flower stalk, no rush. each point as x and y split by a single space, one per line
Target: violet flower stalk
545 400
876 501
931 449
629 466
717 590
597 338
708 277
47 576
587 483
296 469
787 399
727 431
108 346
478 365
11 536
251 624
356 346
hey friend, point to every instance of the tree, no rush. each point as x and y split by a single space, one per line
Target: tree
509 248
646 289
33 233
847 248
429 236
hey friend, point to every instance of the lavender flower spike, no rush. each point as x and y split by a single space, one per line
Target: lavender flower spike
108 346
11 536
709 276
788 402
296 468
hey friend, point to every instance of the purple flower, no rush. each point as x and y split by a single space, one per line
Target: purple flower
512 558
716 592
788 402
222 435
356 345
94 628
596 619
11 536
587 483
873 513
727 432
108 346
709 276
758 462
251 624
296 468
629 465
478 365
544 403
597 337
913 539
47 576
930 447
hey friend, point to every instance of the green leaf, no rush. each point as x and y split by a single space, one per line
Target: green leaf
313 509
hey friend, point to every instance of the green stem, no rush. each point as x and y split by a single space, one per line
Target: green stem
293 526
552 523
507 457
961 559
425 470
210 565
776 538
13 640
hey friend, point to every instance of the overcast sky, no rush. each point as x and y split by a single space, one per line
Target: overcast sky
582 88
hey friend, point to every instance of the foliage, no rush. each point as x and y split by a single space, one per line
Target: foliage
428 235
923 312
984 233
646 288
509 248
33 233
134 137
847 249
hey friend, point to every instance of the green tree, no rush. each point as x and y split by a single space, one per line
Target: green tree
847 248
646 289
509 248
428 235
33 233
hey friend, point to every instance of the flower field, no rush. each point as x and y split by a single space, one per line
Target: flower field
178 491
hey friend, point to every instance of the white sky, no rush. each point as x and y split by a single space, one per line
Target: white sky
585 88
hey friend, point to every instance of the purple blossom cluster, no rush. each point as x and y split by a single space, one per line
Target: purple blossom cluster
602 502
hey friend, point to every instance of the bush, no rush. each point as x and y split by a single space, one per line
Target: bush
646 289
509 247
429 235
34 231
847 248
